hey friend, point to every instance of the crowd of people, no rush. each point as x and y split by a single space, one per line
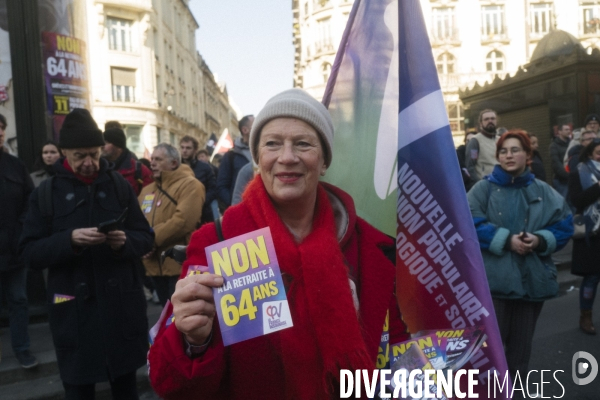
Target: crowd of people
521 220
97 221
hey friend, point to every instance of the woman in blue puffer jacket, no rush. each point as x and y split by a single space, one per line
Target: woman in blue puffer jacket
520 222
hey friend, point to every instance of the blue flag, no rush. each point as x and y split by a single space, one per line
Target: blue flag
400 166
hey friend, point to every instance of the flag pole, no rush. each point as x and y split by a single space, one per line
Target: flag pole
219 143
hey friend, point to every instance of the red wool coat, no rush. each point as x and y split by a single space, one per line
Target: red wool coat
260 368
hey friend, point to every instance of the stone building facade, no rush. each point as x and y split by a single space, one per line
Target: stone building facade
473 41
560 85
147 74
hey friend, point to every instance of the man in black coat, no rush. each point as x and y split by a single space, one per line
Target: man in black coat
537 165
461 154
188 147
204 156
15 187
558 148
233 161
97 308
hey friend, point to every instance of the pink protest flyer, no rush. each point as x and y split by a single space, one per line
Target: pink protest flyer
252 301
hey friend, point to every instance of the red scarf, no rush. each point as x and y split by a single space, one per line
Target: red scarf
320 297
88 180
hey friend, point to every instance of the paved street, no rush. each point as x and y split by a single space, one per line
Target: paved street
557 338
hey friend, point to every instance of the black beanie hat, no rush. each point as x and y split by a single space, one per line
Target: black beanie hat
591 117
115 136
79 130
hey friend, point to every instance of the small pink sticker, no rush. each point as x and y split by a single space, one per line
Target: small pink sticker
196 270
61 298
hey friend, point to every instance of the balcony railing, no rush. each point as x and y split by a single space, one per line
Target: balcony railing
323 47
145 5
439 38
322 4
453 82
501 36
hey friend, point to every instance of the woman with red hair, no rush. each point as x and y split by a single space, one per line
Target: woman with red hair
520 222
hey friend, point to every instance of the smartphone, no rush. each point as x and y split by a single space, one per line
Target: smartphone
523 235
113 224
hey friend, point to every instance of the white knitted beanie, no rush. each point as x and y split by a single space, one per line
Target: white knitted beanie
295 103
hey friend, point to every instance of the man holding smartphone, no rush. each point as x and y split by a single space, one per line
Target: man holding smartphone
97 308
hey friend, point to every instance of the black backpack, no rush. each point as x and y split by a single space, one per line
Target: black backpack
137 175
45 194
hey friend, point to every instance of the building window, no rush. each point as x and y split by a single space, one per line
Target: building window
169 60
492 21
123 84
443 23
324 43
591 18
133 133
541 18
178 28
346 17
167 12
192 41
120 34
326 69
455 116
156 41
445 64
159 90
494 62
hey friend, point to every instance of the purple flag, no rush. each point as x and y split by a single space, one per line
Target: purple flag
387 106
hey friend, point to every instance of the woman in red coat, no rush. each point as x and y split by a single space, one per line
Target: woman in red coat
339 284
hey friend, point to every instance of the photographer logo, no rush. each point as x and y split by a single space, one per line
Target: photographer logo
580 367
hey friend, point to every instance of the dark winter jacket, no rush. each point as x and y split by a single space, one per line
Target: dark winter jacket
558 148
101 333
204 173
573 155
537 166
15 187
586 253
460 153
231 164
127 165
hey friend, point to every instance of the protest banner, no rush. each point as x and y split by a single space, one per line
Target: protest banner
391 125
65 76
252 301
